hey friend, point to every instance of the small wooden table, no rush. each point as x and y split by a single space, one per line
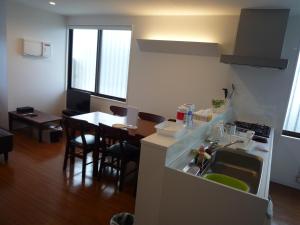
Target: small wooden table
144 127
36 119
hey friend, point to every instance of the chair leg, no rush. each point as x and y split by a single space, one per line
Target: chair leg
112 159
72 154
122 174
118 167
84 165
118 174
66 157
102 165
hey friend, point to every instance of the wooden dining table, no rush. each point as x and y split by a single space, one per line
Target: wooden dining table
144 128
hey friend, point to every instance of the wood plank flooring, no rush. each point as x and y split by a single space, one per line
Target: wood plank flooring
35 191
286 205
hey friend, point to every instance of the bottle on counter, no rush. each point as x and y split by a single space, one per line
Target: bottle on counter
188 119
184 114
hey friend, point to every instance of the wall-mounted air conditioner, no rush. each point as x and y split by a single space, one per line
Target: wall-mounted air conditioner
36 48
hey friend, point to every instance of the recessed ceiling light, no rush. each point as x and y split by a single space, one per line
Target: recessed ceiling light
52 3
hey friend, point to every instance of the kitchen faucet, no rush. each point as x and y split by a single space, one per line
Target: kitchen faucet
214 149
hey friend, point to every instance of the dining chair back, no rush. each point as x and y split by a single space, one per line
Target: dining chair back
118 110
75 128
78 136
151 117
118 155
110 136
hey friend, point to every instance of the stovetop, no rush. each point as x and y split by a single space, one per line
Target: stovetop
260 130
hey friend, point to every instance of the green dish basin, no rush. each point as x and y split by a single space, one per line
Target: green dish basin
228 181
237 164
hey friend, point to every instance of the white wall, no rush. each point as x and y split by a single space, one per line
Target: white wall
262 96
3 72
32 81
159 82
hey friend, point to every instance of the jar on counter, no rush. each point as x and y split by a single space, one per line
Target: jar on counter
181 110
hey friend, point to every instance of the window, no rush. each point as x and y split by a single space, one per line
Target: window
114 63
84 59
292 119
99 62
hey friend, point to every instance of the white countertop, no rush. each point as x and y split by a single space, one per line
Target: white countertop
178 150
252 148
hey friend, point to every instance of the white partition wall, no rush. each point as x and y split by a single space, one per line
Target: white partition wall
3 67
168 195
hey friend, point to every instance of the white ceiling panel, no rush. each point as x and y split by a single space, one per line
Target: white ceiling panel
159 7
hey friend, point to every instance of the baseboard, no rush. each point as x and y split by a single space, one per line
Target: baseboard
289 184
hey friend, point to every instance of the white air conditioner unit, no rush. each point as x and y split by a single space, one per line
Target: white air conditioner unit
36 48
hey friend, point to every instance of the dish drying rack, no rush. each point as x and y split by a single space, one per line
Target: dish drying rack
196 169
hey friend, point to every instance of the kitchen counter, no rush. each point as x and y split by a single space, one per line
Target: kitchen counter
252 148
167 195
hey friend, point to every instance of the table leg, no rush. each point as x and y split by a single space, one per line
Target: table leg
10 122
6 157
40 133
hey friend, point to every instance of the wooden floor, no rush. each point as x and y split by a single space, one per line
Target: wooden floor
286 205
35 191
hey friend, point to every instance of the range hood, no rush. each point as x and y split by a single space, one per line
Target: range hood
260 38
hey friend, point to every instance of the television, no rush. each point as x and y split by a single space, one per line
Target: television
78 101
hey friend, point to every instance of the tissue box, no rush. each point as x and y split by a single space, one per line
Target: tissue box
203 115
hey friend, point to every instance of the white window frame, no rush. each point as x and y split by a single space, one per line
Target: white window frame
296 85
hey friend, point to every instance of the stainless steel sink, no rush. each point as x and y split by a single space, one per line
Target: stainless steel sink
237 164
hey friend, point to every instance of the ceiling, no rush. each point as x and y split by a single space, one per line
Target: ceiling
159 7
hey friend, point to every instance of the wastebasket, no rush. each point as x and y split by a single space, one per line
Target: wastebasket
122 219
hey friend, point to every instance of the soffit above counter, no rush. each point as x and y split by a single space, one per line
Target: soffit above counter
180 47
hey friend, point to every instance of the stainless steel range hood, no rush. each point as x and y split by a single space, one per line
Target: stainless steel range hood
260 38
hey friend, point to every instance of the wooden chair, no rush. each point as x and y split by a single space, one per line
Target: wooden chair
151 117
118 110
78 137
118 155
